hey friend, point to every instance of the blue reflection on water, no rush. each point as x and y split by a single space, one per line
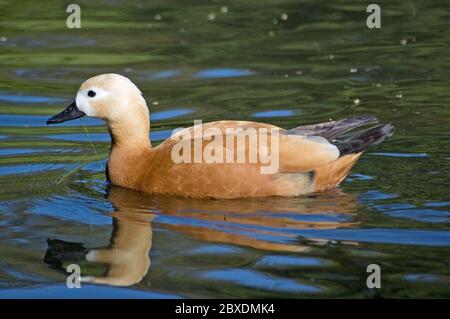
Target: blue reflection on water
383 235
279 261
164 115
16 98
437 204
407 155
87 291
254 279
375 195
31 168
223 73
216 249
423 215
161 74
68 209
284 235
274 113
41 120
22 151
426 278
104 137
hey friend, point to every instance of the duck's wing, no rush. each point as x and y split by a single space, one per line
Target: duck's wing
333 129
223 126
297 152
332 135
303 153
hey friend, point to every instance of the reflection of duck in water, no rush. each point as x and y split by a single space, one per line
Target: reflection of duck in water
246 221
243 222
127 255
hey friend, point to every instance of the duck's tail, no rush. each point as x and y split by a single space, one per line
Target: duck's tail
360 141
336 133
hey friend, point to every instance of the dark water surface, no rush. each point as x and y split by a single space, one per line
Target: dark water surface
283 62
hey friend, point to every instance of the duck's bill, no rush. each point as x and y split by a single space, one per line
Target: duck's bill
70 113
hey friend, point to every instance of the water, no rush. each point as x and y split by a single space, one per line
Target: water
284 62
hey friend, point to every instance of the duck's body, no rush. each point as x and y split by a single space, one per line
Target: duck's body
305 166
310 158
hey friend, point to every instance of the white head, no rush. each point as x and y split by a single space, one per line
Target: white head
110 97
113 98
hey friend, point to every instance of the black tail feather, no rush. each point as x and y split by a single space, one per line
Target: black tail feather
361 140
333 129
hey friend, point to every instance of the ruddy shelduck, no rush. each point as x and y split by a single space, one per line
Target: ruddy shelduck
311 158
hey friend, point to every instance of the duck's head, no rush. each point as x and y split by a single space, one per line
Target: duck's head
110 97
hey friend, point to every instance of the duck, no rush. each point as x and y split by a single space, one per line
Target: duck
310 158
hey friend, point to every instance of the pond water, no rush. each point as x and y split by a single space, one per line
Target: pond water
284 62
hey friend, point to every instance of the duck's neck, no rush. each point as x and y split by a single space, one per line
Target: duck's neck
129 133
130 147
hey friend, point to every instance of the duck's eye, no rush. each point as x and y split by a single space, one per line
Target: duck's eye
91 93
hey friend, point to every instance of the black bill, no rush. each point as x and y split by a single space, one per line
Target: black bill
70 113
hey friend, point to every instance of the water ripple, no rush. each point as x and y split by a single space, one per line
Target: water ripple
222 73
257 280
28 99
